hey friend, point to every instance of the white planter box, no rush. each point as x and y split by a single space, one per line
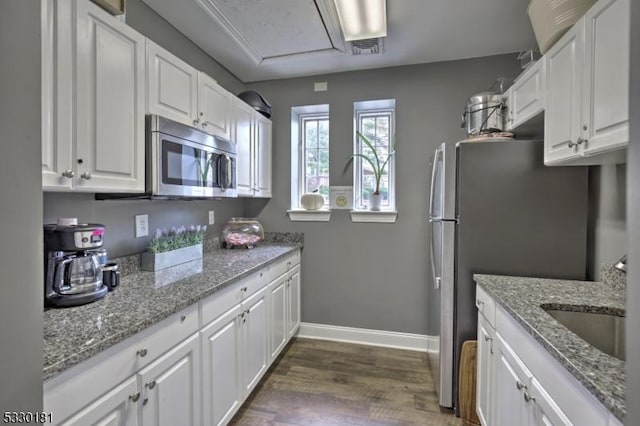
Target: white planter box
157 262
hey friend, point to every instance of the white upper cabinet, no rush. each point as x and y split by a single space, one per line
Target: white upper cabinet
172 86
252 134
214 107
93 101
525 99
181 93
606 79
587 104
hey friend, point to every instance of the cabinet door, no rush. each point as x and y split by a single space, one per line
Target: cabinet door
214 107
221 368
545 410
109 103
293 301
278 315
527 95
484 391
171 387
172 86
255 339
57 99
511 382
563 96
116 408
243 135
263 156
606 110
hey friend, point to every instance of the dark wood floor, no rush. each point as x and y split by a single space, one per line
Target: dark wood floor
321 383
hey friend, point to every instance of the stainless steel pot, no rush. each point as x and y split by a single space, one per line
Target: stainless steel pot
484 113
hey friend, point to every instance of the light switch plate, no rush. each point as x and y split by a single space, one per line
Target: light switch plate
212 218
142 225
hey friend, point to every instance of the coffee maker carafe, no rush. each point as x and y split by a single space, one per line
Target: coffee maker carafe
72 264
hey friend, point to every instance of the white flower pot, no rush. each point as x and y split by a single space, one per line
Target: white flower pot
156 262
374 202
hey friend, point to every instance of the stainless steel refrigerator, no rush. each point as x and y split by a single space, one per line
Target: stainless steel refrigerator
496 209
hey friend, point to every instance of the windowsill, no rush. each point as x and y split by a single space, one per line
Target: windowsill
368 216
301 215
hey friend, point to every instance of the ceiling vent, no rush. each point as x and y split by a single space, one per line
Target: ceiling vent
368 46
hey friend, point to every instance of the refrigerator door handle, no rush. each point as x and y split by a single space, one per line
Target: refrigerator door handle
434 169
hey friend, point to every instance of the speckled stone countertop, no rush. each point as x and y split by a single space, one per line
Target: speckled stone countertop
522 298
72 335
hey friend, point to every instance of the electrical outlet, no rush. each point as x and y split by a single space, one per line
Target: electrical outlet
212 219
142 225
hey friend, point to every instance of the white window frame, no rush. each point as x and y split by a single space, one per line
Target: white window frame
298 115
362 110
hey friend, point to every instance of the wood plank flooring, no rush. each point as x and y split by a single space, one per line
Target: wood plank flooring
322 383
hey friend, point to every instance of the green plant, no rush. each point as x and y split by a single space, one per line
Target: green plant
374 160
176 238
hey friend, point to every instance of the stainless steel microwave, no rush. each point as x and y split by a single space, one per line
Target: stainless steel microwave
184 162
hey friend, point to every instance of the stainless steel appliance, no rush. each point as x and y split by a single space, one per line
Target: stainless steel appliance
484 113
183 162
73 273
495 209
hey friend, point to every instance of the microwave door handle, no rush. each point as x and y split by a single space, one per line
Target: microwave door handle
225 171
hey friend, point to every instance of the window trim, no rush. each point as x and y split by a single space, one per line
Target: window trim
372 108
302 148
296 212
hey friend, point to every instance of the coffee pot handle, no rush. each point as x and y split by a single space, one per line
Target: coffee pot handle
61 268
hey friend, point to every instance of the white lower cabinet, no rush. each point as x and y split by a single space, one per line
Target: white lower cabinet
116 407
221 371
194 368
519 383
170 387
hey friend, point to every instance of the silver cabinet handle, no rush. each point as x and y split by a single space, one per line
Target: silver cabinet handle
134 396
520 385
487 338
528 397
144 401
151 384
141 352
571 144
581 141
183 318
479 302
68 174
86 176
204 125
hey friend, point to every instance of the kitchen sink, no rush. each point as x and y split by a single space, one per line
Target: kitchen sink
604 331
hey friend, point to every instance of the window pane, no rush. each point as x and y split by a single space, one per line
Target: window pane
311 130
323 134
315 158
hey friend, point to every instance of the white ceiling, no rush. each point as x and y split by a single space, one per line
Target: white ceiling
270 39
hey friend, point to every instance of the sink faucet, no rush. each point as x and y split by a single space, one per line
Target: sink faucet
621 265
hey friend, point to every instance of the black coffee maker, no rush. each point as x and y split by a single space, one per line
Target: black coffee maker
73 264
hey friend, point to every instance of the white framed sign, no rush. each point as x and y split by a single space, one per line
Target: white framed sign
341 197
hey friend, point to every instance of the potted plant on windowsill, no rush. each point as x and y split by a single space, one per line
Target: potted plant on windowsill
173 247
377 166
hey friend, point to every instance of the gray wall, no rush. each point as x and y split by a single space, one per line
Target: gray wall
20 187
118 216
633 213
607 237
373 276
146 21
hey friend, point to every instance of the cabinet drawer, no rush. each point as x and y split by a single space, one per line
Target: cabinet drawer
223 300
486 305
88 380
282 266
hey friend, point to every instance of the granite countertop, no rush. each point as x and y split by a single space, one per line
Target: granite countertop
602 375
72 335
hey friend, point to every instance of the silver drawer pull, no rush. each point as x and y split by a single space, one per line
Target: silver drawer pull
520 385
151 384
142 352
134 396
528 397
487 338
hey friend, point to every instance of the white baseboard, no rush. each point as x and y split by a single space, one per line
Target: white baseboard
388 339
